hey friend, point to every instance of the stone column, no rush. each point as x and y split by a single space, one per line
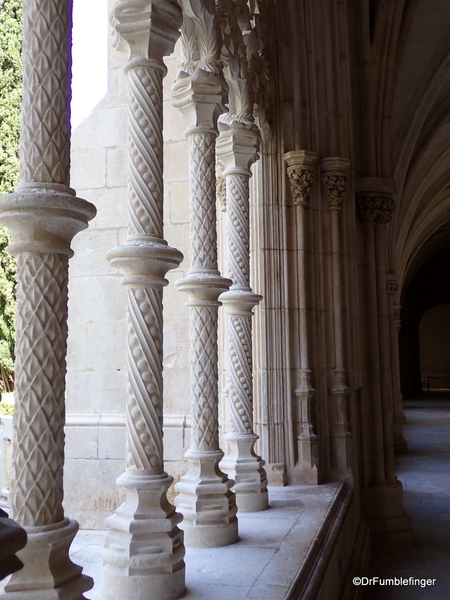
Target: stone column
300 169
400 443
334 179
237 149
383 501
205 497
43 215
143 555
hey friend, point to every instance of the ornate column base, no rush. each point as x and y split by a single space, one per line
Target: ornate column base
246 468
306 469
143 554
206 501
48 572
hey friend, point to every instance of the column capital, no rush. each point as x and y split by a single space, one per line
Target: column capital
375 199
334 170
197 96
391 283
147 28
237 147
300 170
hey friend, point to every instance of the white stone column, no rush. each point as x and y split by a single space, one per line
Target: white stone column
237 149
334 179
205 497
143 555
300 169
43 215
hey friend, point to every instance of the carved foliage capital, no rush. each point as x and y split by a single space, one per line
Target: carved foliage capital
147 28
335 188
377 207
301 180
391 284
200 47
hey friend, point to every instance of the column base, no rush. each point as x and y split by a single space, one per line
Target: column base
400 444
143 554
48 572
390 526
207 503
247 470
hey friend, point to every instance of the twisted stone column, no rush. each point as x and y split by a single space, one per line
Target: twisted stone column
237 149
384 504
43 215
205 497
143 555
334 179
300 169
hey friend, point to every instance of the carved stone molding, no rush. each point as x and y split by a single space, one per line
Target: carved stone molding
143 555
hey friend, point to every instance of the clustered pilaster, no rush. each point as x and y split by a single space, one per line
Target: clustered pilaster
301 172
334 180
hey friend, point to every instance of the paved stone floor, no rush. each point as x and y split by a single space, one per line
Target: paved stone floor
425 475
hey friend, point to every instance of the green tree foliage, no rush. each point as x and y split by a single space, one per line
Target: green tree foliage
10 98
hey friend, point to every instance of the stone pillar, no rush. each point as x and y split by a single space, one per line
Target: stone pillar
237 149
43 215
143 555
300 169
400 443
205 497
334 179
383 501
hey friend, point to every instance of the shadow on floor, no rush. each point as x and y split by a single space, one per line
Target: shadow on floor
425 476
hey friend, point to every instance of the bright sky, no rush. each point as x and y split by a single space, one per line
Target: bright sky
89 56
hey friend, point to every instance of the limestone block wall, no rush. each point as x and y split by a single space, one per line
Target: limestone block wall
96 381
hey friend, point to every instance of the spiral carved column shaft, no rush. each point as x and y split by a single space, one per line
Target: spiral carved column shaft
237 147
43 215
205 497
300 169
143 555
